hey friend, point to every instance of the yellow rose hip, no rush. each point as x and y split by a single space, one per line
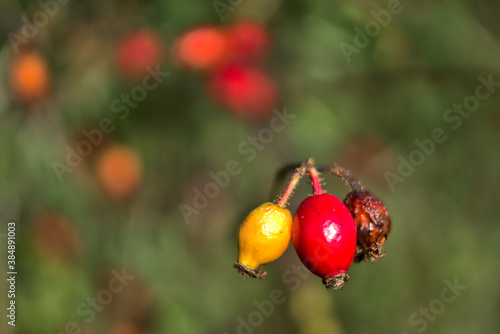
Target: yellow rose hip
263 237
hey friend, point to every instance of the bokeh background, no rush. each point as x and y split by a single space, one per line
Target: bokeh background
122 206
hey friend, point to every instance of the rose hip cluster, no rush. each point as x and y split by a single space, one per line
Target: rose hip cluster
232 58
328 234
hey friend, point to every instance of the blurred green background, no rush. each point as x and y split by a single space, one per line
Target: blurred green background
366 113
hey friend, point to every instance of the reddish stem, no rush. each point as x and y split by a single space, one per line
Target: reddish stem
316 181
299 172
336 170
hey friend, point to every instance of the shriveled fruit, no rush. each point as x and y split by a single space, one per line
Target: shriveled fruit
373 224
263 237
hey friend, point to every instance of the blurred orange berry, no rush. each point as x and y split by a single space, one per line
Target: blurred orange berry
136 51
201 48
56 238
29 76
248 41
246 91
119 172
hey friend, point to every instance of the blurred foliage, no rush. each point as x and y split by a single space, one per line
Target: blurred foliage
363 114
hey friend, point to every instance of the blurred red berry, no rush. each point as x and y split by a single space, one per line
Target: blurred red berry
201 48
136 51
56 239
246 91
248 41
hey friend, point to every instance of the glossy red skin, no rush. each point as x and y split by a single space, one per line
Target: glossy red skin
324 235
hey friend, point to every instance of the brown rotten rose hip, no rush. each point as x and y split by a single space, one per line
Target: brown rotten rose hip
372 223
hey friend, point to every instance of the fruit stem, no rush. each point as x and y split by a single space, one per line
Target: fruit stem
299 172
314 175
344 175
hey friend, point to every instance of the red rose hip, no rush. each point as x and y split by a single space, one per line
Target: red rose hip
324 236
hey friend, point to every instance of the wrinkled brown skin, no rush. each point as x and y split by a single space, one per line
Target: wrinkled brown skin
372 223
